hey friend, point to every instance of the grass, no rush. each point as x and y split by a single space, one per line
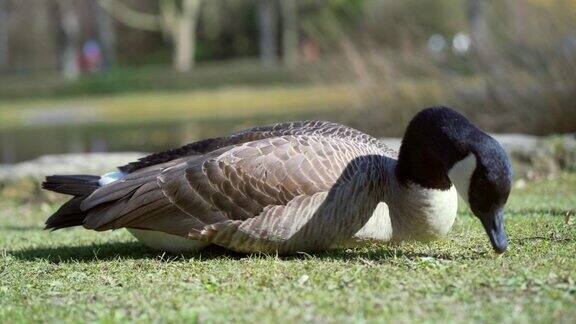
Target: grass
232 90
223 103
74 275
142 78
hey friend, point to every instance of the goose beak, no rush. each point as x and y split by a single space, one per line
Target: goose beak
494 226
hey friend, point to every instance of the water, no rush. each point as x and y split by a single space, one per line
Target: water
25 143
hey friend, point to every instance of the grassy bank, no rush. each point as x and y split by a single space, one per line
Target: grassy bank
76 274
122 79
233 102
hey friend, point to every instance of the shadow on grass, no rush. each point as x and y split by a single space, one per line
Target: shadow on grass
386 253
20 228
135 251
111 251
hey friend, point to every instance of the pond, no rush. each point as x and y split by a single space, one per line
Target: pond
28 142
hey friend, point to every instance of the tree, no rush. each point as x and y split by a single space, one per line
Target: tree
482 45
106 34
4 45
268 12
289 10
70 34
177 20
268 31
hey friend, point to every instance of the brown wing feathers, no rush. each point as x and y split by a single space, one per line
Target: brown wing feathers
235 185
226 181
320 128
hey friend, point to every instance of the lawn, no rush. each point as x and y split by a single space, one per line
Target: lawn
76 275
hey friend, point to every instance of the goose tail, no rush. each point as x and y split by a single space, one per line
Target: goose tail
79 186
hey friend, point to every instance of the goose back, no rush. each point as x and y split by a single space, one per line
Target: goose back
253 190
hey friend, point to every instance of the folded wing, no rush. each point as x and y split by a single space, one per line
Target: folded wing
227 184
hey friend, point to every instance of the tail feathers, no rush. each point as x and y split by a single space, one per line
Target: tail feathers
74 185
70 214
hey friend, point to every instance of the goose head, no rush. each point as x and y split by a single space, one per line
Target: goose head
442 148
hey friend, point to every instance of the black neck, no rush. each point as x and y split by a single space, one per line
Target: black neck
434 141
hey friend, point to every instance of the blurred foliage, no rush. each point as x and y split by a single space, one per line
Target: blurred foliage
227 30
129 78
524 71
399 23
369 65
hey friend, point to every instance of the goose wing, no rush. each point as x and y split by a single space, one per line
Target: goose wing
306 223
232 183
310 128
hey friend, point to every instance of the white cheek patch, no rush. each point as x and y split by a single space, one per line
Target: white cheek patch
110 177
461 174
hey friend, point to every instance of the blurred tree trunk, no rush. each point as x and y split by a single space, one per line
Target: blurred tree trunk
268 31
4 35
70 30
482 45
177 22
184 35
106 35
289 9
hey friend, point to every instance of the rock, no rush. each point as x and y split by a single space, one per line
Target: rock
519 143
393 143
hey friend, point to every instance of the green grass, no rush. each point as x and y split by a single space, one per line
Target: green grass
74 275
222 103
142 78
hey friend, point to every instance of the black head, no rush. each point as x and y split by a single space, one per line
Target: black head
441 147
489 189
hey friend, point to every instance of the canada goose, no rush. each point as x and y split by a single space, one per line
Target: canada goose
301 186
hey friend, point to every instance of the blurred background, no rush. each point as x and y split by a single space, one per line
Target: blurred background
145 75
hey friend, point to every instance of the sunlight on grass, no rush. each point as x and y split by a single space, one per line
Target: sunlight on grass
109 277
230 102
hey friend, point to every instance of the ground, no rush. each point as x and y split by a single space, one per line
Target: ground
73 275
